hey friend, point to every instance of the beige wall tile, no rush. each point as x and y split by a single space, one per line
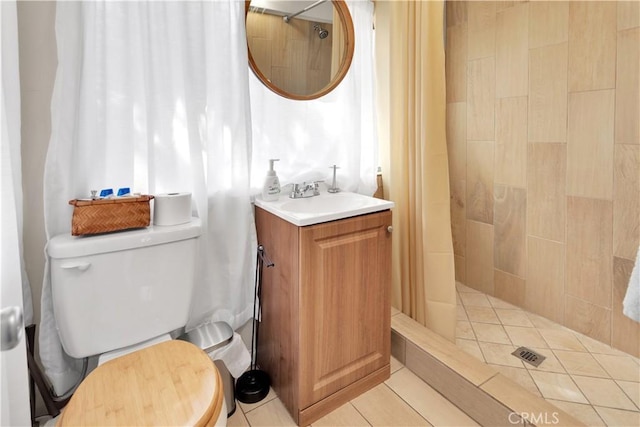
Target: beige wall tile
481 94
480 256
587 318
548 94
457 139
458 217
592 45
480 181
481 24
456 63
628 14
512 51
502 5
509 221
545 278
509 288
590 144
511 142
626 201
546 198
461 268
548 23
575 50
589 250
628 87
456 13
625 333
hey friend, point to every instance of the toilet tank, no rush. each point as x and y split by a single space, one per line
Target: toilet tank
114 290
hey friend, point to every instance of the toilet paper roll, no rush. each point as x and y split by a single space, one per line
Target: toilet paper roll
172 208
235 356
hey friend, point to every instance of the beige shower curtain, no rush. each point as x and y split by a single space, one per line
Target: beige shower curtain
423 269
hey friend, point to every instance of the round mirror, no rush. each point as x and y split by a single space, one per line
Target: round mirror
299 49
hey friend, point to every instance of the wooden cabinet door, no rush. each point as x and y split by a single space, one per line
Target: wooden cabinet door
345 285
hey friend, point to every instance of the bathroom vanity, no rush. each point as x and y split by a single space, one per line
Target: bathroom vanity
325 330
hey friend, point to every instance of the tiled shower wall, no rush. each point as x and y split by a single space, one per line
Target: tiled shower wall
543 123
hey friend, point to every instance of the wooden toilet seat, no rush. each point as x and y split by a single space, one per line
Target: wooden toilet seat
171 383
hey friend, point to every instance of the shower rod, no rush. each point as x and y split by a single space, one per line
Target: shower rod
287 18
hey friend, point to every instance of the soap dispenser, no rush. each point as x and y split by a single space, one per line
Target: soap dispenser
271 188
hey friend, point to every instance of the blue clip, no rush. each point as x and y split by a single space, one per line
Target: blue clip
106 192
124 191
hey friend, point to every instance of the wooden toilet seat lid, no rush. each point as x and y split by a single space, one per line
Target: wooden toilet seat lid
171 383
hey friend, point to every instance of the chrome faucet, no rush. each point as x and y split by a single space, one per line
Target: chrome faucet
300 191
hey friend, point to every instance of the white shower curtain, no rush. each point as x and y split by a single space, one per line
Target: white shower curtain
339 128
154 96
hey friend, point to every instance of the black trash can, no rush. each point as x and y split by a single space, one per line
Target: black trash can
210 337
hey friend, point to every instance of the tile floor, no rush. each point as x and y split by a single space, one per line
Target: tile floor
595 383
402 400
591 381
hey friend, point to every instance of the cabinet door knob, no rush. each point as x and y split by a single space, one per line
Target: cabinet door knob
390 229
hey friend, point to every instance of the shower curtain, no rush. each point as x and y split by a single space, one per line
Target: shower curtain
423 269
154 96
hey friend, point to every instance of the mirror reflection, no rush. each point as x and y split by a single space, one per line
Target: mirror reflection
297 48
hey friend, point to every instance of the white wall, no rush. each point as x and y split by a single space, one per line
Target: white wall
38 63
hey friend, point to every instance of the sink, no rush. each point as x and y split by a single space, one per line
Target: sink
323 208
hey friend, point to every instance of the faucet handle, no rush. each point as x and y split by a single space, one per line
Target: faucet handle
334 188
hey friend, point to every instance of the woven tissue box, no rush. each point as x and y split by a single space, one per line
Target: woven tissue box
106 215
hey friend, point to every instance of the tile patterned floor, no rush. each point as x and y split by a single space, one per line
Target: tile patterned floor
593 382
402 400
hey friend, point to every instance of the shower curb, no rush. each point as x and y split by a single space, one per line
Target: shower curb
485 395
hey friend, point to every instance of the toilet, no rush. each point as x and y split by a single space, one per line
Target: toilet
121 297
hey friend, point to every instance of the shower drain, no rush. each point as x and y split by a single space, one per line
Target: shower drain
529 356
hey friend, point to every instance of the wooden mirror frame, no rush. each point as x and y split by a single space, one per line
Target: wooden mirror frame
349 39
